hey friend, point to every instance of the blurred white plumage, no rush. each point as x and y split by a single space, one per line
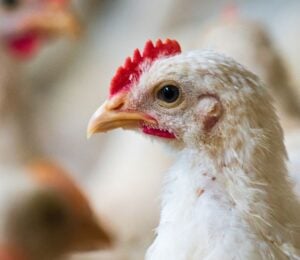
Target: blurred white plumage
24 27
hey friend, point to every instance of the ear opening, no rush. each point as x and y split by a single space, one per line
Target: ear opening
210 111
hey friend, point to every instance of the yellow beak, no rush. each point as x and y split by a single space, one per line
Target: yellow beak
54 22
110 116
93 236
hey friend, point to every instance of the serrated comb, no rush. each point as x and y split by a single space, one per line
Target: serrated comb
131 71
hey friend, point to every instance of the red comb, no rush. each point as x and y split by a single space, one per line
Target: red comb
230 11
132 69
59 2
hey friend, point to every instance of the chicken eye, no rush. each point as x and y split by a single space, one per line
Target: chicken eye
168 94
10 4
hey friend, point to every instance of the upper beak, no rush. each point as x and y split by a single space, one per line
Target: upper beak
110 116
55 20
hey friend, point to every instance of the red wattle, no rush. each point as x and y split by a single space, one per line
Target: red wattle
158 132
25 45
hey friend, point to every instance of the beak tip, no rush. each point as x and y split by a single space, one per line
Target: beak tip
91 128
89 133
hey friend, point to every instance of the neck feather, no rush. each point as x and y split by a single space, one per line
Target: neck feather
249 178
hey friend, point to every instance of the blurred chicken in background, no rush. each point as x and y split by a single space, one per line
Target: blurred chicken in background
50 218
287 36
45 216
25 26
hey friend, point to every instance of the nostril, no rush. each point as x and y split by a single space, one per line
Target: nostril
117 102
118 107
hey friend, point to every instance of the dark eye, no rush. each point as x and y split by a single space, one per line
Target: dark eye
168 93
10 4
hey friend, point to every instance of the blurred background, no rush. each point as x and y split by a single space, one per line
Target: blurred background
121 172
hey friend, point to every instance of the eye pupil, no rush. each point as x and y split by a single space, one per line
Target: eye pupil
168 94
10 3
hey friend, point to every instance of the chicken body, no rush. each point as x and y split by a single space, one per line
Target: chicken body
228 195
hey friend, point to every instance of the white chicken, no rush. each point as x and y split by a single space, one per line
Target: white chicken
228 195
24 27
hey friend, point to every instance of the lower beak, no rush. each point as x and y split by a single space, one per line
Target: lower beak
55 22
93 237
109 116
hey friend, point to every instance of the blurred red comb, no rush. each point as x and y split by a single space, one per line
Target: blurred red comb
59 2
230 11
132 69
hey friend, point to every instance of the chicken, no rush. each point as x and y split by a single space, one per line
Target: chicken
251 44
227 195
48 216
24 28
287 23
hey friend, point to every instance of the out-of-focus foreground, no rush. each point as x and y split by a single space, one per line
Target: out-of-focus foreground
46 102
